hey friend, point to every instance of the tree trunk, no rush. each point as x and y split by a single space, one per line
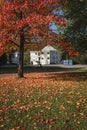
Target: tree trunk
21 56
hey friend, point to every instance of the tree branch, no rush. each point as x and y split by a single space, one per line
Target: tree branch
14 43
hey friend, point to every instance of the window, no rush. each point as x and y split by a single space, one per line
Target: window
48 52
42 53
38 53
13 55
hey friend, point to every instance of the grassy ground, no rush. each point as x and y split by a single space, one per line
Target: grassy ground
51 68
44 101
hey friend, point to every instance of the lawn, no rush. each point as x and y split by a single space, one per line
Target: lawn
44 101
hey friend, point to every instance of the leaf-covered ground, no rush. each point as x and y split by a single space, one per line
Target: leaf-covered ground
44 101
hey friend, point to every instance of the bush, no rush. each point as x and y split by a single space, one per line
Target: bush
80 60
3 59
27 57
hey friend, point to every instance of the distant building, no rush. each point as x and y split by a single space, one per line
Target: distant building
13 58
48 55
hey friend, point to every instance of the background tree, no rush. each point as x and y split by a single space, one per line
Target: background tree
3 59
22 20
76 30
27 57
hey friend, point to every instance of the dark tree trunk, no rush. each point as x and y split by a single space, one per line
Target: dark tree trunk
21 49
21 56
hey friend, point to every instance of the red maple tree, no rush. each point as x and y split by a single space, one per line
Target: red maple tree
20 19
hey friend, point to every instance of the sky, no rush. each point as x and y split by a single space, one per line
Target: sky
52 25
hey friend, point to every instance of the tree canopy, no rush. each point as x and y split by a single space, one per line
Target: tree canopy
22 20
76 31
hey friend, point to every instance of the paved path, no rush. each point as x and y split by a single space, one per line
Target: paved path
73 66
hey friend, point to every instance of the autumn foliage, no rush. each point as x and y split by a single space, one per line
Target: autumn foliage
36 14
24 14
21 21
55 101
68 47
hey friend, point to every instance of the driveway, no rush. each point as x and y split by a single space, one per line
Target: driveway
78 66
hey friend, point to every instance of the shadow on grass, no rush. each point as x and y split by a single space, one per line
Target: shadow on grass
63 76
29 69
66 74
69 76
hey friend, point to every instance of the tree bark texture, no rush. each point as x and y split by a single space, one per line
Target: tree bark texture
21 56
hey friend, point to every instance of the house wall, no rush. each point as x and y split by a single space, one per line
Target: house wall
34 59
48 55
45 57
54 57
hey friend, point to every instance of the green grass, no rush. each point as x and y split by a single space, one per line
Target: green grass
82 70
61 105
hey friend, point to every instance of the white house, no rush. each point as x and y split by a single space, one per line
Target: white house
13 58
34 57
48 55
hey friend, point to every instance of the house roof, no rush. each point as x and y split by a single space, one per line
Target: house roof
48 48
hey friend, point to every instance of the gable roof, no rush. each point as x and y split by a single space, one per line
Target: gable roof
48 48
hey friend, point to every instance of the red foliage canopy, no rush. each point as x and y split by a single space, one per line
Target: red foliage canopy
27 17
17 16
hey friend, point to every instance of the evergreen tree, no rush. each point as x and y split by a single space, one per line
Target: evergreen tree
76 30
